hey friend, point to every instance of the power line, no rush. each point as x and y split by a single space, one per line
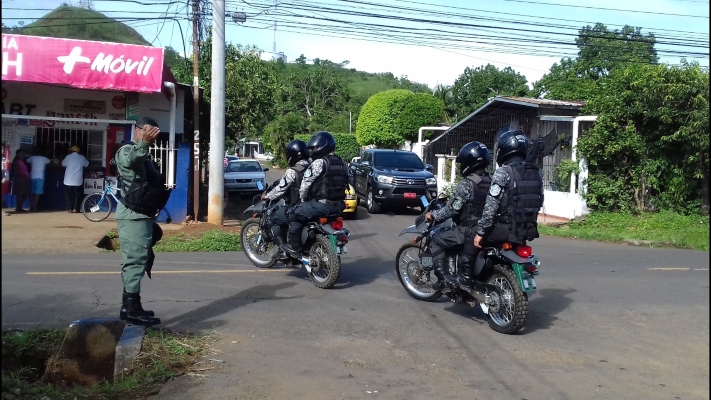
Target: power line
606 9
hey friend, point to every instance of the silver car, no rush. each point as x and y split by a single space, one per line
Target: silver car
242 176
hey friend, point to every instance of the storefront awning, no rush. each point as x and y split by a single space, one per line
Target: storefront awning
82 63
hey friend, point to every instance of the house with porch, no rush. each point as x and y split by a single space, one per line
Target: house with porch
557 122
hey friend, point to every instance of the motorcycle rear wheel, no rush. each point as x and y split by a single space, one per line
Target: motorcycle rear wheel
513 307
324 262
259 254
407 265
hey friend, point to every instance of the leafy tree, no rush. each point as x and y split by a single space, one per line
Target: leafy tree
649 147
250 88
444 93
600 51
316 89
346 144
281 131
391 117
472 89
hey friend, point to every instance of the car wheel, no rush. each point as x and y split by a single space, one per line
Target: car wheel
372 206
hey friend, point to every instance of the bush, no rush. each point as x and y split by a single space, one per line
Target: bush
389 118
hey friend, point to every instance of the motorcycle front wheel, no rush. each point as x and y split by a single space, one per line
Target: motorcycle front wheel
416 281
512 309
255 246
324 262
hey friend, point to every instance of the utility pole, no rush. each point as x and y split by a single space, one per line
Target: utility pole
216 187
196 110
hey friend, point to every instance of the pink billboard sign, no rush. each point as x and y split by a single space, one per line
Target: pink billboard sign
82 63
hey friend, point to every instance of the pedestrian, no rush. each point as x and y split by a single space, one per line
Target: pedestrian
143 195
38 164
74 178
20 179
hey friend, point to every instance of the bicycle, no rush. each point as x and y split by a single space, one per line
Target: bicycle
96 207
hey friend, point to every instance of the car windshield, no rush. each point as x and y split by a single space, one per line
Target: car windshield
249 166
397 161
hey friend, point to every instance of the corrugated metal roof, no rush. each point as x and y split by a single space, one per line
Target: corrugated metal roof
542 102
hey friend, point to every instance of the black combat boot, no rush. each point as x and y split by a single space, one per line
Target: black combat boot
441 273
124 309
465 277
135 314
280 253
293 249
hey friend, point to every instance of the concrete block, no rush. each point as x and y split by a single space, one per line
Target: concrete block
128 347
86 355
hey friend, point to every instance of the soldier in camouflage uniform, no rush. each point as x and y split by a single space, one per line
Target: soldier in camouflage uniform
515 196
465 208
322 191
138 232
297 155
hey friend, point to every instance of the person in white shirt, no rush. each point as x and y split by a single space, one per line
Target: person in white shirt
38 163
74 178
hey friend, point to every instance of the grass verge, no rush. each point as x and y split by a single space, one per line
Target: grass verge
662 229
164 355
213 240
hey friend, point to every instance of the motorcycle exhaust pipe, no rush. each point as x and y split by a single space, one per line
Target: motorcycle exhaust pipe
535 261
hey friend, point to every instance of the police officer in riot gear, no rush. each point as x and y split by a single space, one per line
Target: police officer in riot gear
465 208
297 155
515 196
322 190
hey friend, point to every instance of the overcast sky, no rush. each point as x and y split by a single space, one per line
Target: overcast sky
422 39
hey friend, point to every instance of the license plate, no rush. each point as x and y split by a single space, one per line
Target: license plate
94 209
410 195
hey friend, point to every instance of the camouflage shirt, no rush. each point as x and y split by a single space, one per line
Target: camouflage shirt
462 193
499 185
284 183
310 175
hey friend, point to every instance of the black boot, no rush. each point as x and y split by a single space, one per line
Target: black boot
124 308
280 253
441 273
135 314
465 278
293 249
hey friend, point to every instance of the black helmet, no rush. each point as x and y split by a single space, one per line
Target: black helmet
321 144
296 151
509 144
473 156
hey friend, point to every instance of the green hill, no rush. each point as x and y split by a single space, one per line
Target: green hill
79 23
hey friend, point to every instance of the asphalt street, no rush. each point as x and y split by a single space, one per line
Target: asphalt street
608 321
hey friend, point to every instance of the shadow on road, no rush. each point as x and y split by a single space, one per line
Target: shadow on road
544 305
200 319
362 271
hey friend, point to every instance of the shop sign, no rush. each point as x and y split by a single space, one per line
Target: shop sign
84 106
82 63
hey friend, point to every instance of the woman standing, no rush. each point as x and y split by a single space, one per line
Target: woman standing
21 181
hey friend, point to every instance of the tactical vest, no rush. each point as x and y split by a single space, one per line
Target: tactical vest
293 198
147 195
521 202
474 206
332 183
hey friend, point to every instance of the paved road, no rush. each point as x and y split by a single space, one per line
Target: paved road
608 322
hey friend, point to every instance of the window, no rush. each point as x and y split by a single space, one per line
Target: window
398 160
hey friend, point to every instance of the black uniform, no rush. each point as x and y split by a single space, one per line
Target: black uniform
288 188
322 192
465 208
511 210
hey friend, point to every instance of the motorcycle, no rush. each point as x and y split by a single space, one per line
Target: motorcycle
503 275
323 242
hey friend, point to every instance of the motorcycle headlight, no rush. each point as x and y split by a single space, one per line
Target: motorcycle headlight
384 179
431 181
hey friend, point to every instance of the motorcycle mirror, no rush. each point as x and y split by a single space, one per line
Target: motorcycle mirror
424 201
260 186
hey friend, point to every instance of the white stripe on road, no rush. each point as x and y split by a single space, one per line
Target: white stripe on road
677 269
208 271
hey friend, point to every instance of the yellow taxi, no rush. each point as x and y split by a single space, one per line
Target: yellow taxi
351 203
